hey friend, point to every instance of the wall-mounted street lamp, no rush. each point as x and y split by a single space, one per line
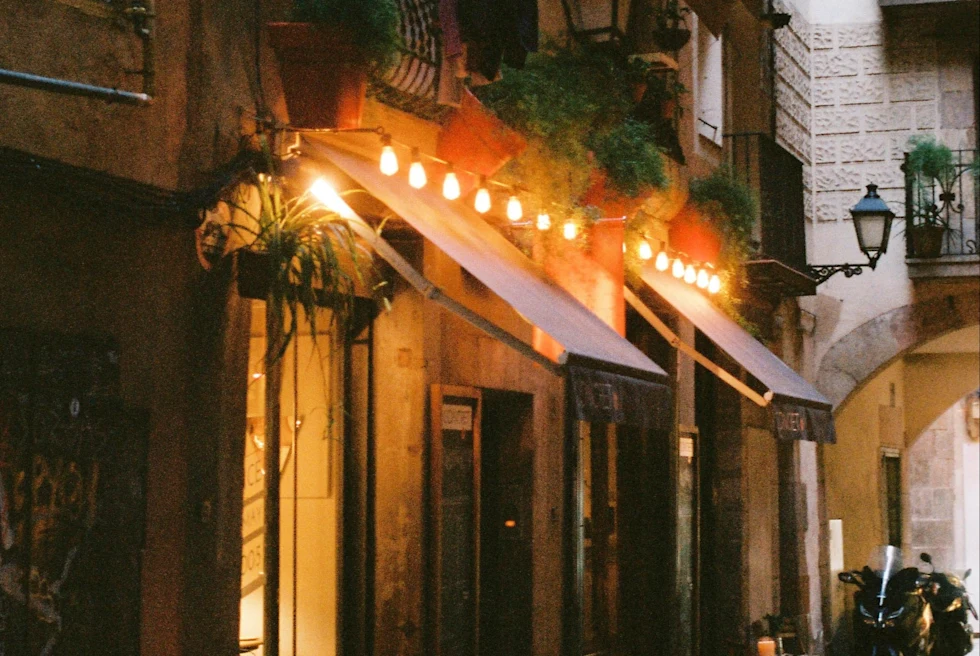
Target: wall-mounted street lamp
873 224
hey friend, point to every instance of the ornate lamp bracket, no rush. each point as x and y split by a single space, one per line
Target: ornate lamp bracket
822 272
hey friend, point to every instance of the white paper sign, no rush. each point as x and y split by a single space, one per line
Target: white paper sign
457 417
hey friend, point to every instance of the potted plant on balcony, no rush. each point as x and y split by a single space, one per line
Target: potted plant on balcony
326 54
931 173
632 166
672 32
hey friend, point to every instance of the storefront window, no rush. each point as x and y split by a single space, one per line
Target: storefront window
310 504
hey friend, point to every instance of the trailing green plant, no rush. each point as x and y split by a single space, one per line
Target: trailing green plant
930 166
370 25
730 207
630 156
314 259
671 15
572 105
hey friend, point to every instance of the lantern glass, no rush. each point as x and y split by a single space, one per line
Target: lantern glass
872 223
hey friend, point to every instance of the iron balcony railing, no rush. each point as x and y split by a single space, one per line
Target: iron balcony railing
945 198
776 176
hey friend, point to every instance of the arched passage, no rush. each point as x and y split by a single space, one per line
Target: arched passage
855 358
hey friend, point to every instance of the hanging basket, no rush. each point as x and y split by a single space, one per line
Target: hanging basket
253 272
697 239
474 139
324 77
672 39
927 240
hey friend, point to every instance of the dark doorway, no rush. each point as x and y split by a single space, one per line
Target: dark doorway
505 524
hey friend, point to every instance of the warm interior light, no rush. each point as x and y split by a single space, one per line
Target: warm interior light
690 275
714 285
569 230
703 279
482 201
645 251
450 186
514 209
323 192
544 221
416 172
389 161
678 269
662 262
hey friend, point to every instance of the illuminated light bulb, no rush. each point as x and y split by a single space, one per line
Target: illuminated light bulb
569 230
450 185
256 376
416 172
544 221
690 275
662 262
389 160
703 279
514 209
323 192
714 285
482 202
678 269
645 251
624 248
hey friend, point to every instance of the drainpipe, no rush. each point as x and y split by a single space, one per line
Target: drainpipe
142 16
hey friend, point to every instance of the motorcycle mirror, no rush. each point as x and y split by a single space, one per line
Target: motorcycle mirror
847 577
926 558
967 573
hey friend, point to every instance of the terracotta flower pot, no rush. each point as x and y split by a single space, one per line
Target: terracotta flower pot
324 78
689 234
927 240
610 202
474 139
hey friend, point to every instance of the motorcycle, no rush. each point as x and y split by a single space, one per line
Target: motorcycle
900 611
950 604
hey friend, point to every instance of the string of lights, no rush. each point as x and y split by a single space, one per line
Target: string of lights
700 274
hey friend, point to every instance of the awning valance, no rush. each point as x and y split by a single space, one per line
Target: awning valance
799 410
475 245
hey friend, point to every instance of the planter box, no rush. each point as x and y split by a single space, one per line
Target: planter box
692 236
610 202
474 139
324 77
927 240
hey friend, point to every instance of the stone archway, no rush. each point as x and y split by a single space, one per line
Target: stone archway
856 357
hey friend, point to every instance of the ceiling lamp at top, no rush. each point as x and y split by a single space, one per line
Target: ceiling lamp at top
416 172
450 185
482 201
389 161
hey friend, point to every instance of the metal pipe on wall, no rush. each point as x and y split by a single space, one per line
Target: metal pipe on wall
142 16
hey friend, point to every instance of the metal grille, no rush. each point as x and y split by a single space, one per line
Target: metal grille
951 202
417 72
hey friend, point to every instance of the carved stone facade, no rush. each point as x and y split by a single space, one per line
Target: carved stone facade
869 88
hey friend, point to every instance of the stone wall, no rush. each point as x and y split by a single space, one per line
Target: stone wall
794 106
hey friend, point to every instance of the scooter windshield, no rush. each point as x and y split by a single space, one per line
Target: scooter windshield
886 561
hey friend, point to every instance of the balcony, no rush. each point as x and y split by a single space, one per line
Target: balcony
776 175
941 231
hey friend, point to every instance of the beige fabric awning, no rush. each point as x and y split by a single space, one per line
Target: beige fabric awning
469 240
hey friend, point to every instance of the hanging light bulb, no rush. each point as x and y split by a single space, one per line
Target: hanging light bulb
569 230
450 185
678 269
662 262
389 161
482 201
703 279
416 172
714 285
544 221
514 209
690 275
645 251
